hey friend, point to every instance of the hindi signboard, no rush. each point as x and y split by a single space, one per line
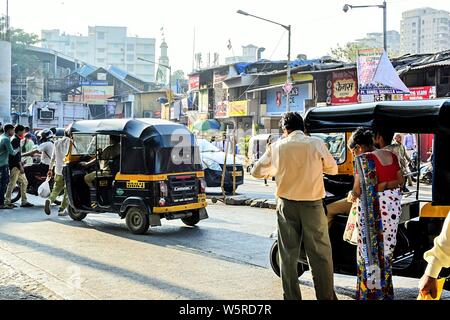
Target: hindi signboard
344 88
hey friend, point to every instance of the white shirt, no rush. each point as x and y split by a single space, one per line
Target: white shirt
60 151
46 150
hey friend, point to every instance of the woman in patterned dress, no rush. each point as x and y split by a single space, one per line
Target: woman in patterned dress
378 178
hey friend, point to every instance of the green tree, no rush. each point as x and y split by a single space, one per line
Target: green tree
347 53
178 75
20 40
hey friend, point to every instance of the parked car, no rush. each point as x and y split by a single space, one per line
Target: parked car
213 160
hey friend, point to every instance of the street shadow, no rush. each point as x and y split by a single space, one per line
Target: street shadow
14 293
218 243
118 272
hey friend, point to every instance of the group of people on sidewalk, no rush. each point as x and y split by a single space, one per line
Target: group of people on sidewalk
299 162
18 146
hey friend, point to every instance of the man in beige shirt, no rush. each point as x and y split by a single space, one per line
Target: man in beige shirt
437 258
298 163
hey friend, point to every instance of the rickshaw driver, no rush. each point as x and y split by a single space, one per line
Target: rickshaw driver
111 152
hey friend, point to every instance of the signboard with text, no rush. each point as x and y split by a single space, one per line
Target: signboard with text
344 88
417 93
238 108
194 82
376 75
220 110
97 95
276 99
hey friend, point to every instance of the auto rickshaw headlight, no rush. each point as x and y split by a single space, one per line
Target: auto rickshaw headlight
163 189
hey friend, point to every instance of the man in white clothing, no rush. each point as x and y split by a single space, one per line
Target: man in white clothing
57 163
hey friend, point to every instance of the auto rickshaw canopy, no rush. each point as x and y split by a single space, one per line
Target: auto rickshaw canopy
141 129
419 117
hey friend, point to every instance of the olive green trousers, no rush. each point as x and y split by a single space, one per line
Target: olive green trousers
305 222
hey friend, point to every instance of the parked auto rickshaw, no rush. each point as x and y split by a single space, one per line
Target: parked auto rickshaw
422 217
157 175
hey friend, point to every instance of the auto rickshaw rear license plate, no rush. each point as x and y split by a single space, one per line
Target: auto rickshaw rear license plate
135 185
237 174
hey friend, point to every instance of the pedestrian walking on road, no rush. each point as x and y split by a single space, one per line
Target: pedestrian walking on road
298 163
378 179
410 143
17 173
6 150
57 163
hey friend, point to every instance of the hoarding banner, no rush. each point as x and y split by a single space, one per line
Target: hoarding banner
220 110
344 86
377 75
220 76
417 93
194 82
94 95
238 108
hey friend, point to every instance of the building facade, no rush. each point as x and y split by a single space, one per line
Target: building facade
375 40
425 30
249 54
106 46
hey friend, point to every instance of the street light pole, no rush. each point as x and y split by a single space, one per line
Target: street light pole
8 38
289 29
288 94
383 6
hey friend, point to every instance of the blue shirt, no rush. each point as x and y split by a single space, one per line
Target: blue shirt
410 142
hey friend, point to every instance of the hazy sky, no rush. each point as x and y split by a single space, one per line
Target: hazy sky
317 25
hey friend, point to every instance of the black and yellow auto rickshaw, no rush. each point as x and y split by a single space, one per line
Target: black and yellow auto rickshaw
422 216
157 173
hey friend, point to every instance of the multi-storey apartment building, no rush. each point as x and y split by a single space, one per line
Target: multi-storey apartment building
425 30
104 46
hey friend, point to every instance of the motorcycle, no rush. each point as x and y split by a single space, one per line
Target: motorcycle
36 175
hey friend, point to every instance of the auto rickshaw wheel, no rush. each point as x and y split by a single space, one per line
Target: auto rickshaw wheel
137 221
275 262
193 220
76 215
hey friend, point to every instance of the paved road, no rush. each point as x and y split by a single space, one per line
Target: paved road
255 188
226 257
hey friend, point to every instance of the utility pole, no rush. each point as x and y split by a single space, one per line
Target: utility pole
289 29
8 38
288 94
383 6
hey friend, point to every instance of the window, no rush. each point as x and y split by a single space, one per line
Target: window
130 57
101 60
101 50
130 47
101 35
336 143
83 144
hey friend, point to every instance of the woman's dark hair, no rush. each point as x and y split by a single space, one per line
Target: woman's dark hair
361 137
386 134
292 121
